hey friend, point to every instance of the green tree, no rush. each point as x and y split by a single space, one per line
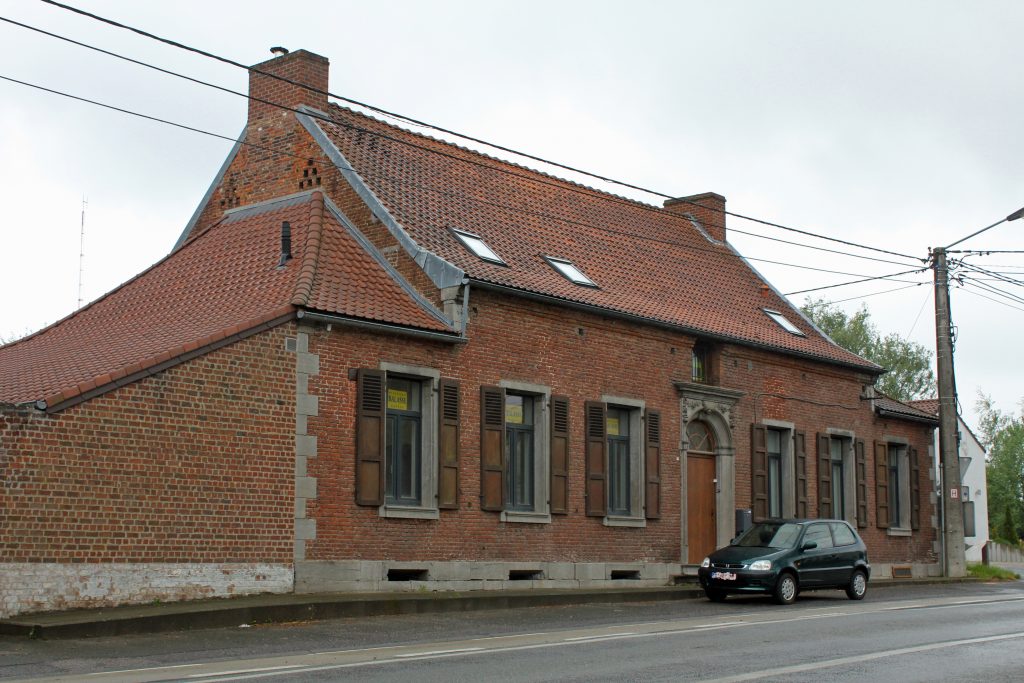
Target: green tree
909 364
1003 437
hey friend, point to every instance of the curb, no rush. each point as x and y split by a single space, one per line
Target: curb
264 609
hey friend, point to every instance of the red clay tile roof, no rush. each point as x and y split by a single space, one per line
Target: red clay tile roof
911 409
674 275
928 405
223 282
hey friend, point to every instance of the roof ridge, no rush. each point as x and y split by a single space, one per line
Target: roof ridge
113 291
491 157
311 253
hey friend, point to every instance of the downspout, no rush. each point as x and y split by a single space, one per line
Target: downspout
465 308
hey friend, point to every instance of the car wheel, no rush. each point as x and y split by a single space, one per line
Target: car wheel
785 589
858 586
714 595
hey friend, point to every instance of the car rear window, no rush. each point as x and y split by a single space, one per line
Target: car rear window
843 534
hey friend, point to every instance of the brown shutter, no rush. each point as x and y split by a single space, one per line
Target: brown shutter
448 446
759 472
492 448
915 490
861 466
371 414
824 477
596 460
652 466
800 476
559 455
882 485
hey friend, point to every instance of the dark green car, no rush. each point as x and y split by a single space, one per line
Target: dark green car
783 557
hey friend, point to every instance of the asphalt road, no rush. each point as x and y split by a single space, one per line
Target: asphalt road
926 633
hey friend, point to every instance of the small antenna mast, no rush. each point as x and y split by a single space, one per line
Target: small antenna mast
81 252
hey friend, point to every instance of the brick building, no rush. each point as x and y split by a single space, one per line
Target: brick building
376 360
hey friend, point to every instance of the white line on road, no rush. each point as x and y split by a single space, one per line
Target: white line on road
843 661
247 671
439 652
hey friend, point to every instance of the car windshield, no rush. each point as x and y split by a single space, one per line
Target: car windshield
770 535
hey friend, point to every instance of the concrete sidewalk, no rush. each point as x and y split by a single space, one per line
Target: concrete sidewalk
268 608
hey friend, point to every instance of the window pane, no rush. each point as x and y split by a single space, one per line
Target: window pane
519 467
774 442
618 422
820 534
774 486
699 436
403 461
895 455
842 534
618 473
838 501
403 395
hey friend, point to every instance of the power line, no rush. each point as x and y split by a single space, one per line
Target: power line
811 246
994 290
884 291
919 312
996 276
1001 303
234 63
854 282
719 252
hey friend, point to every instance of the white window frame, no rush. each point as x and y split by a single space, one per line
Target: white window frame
478 246
637 422
782 321
541 513
570 271
429 380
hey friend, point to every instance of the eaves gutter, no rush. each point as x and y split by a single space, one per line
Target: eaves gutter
651 322
380 327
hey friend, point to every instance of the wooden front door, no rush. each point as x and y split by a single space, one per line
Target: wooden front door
700 506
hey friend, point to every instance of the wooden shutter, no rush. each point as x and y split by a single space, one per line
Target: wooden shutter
371 415
861 467
824 477
800 475
915 490
559 455
759 472
882 511
596 459
492 448
652 466
448 446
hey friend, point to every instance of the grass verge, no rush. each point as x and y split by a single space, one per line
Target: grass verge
990 573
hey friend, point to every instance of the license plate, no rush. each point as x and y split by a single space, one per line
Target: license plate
723 576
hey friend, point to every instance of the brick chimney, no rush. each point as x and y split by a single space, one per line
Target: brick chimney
299 66
707 208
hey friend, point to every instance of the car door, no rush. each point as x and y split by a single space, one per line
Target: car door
814 566
847 552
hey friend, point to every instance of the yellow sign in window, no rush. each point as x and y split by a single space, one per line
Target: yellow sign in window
514 413
398 399
613 426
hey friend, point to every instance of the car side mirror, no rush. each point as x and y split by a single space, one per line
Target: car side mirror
810 545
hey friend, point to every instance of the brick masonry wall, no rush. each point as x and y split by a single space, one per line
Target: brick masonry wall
584 357
194 465
815 398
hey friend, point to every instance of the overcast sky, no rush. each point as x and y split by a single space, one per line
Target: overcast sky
891 124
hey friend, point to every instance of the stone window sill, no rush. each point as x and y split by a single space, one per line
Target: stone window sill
625 521
397 512
525 517
897 531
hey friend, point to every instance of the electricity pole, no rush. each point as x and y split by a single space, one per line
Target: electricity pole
953 561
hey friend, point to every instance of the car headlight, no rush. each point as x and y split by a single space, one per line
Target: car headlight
706 563
761 565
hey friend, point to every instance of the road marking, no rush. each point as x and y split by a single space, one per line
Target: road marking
248 671
438 652
843 661
607 636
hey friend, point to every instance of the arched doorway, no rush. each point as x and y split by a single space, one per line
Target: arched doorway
701 489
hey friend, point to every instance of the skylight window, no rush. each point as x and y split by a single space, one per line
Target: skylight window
477 245
570 271
783 322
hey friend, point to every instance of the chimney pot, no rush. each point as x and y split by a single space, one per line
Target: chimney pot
278 51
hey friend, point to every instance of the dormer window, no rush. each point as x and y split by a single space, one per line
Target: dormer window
570 272
783 322
476 244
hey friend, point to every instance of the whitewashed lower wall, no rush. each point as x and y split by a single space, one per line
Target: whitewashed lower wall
43 587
